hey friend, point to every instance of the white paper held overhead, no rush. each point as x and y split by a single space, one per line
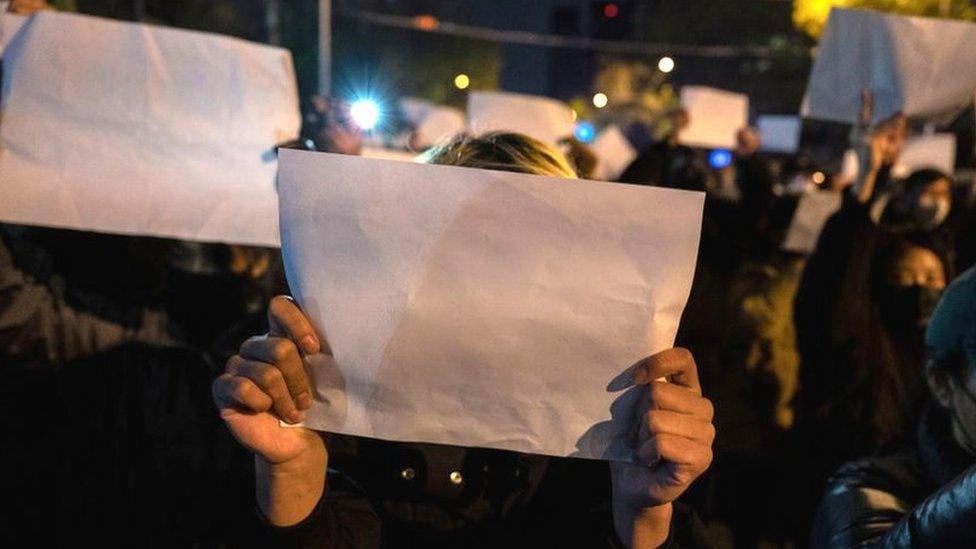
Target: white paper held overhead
614 153
812 212
137 129
920 66
482 308
714 116
543 118
780 134
927 151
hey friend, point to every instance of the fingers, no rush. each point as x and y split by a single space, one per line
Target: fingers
689 454
283 355
269 380
676 365
867 107
285 319
666 422
240 393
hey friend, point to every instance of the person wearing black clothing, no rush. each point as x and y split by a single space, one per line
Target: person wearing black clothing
547 502
328 491
924 496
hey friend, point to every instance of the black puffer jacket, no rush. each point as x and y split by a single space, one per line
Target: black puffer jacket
922 498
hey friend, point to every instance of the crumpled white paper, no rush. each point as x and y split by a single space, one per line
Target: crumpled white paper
714 116
482 308
138 129
920 66
543 118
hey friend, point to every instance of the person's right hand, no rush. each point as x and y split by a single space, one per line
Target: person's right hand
885 141
266 381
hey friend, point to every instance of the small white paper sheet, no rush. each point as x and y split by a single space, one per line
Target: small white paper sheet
714 116
543 118
927 151
137 129
482 308
812 213
920 66
614 153
780 134
432 123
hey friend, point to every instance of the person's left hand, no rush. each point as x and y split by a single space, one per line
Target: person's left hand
674 444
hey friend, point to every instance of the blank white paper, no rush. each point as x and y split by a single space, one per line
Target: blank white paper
482 308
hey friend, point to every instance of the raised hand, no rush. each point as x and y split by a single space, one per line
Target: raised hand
674 447
264 383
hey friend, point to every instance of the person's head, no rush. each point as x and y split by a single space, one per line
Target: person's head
951 367
510 152
747 141
923 202
909 280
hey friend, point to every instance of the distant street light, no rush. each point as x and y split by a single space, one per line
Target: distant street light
600 100
462 81
665 65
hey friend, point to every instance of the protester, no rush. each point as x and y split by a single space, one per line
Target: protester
668 163
516 499
924 496
754 182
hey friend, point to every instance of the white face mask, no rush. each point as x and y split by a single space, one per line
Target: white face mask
932 211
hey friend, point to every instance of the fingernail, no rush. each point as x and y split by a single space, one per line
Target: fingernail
309 344
304 400
637 377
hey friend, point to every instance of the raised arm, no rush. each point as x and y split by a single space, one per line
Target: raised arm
265 382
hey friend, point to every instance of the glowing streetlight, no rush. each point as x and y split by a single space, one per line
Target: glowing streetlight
600 100
365 114
665 65
462 81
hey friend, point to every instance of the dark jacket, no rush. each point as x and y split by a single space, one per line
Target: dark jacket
393 495
925 497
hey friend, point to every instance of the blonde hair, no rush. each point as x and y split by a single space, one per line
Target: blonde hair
510 152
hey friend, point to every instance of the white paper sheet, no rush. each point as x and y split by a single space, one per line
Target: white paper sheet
780 134
917 65
927 151
543 118
482 308
714 116
137 129
10 24
614 153
812 212
432 123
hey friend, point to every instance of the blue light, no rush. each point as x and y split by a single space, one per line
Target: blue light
719 158
365 113
585 131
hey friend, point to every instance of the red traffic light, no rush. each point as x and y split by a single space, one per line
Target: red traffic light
611 10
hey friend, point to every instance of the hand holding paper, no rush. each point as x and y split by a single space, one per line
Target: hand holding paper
480 308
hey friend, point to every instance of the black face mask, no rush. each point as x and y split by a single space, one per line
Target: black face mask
907 309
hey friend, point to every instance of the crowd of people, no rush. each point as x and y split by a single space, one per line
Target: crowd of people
824 399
